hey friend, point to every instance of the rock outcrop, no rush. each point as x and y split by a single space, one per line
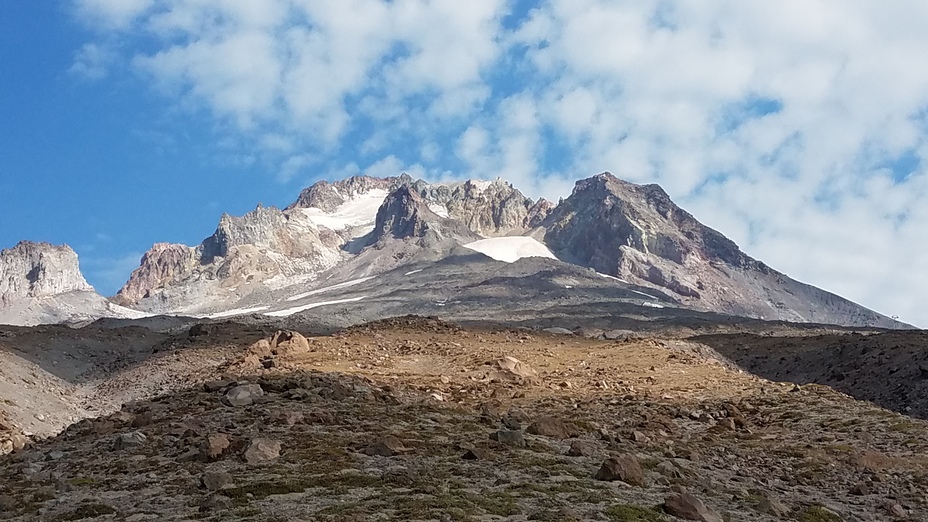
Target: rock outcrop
42 283
406 215
39 270
488 208
328 196
266 246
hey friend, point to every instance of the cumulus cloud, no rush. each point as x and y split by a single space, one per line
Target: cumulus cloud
796 127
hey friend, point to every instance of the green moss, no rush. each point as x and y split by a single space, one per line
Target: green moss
627 513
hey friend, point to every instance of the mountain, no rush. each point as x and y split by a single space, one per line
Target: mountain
610 243
358 226
636 233
42 283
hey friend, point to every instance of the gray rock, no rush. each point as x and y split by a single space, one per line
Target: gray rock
688 507
262 450
509 438
243 395
214 479
129 440
386 447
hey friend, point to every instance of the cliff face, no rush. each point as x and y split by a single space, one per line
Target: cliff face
266 246
38 270
488 208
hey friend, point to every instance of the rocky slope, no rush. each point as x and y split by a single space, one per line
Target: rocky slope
42 283
636 233
416 419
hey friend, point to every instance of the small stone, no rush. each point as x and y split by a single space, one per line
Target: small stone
509 438
388 446
897 510
640 437
128 440
214 386
478 454
667 469
214 446
18 441
860 489
215 480
582 448
728 423
688 507
243 395
216 502
624 467
262 450
122 417
142 419
551 427
772 506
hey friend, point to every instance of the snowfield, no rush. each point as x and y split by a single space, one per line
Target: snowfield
358 211
510 249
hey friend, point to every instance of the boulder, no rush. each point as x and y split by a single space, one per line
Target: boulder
262 450
243 395
624 468
686 506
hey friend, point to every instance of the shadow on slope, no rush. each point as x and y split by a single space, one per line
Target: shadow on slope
889 369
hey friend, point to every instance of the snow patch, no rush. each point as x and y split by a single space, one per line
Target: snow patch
607 276
339 286
358 211
236 311
651 305
646 295
126 313
411 272
439 210
298 309
510 249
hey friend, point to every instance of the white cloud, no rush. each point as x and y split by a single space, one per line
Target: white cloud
92 61
113 14
776 122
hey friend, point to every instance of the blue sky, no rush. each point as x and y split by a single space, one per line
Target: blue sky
797 128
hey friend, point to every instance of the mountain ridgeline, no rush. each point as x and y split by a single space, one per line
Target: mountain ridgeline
632 237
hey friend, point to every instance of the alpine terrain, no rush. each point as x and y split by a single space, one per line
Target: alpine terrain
395 350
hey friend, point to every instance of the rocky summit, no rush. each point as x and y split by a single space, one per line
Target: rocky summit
394 349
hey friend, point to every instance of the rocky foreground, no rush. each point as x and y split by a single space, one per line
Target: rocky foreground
415 419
